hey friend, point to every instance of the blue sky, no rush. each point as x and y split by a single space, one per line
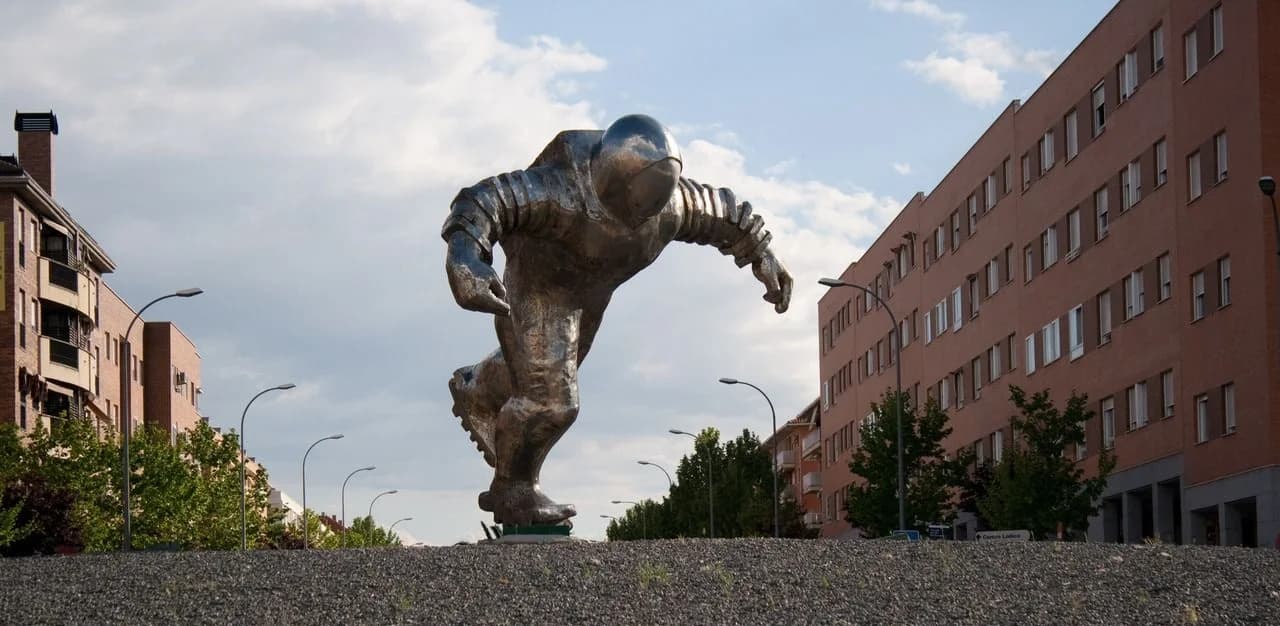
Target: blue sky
296 158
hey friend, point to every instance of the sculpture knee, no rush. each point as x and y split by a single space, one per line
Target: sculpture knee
556 411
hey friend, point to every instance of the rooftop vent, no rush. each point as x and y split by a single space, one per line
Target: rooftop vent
35 122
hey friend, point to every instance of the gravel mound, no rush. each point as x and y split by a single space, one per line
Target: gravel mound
757 581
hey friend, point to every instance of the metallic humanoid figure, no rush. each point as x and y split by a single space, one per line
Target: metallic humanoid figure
594 209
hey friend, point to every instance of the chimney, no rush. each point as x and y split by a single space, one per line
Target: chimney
35 145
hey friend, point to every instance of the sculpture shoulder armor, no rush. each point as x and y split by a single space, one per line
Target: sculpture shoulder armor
569 149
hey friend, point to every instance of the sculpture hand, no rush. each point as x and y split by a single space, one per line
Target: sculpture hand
475 284
776 279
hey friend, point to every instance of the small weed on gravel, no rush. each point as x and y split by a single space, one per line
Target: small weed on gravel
651 573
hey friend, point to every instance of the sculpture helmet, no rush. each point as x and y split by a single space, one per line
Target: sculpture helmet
635 168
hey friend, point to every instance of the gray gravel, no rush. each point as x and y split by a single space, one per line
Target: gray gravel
660 582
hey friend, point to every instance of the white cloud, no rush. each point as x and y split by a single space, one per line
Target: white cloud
969 78
780 168
921 8
998 51
902 168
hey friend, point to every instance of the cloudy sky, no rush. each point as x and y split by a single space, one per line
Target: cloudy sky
296 158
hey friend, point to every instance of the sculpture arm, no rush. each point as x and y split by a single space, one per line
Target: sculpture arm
526 201
712 216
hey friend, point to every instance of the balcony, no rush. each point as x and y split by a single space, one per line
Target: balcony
812 443
68 286
786 459
67 363
812 482
812 519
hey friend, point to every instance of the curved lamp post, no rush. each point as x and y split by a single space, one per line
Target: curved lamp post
711 510
734 381
644 526
244 528
123 356
393 524
897 362
670 484
304 488
344 500
1268 186
368 537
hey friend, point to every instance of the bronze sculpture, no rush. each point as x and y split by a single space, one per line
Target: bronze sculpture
593 209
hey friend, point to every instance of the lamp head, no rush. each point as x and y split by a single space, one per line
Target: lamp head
1268 186
335 437
286 386
187 293
830 282
369 469
644 462
391 492
729 381
677 432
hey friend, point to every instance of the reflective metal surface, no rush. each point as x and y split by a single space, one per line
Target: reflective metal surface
593 209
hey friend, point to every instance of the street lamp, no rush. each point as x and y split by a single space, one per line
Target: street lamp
393 524
368 538
734 381
304 488
123 356
644 526
244 528
670 484
711 510
344 500
897 362
1268 186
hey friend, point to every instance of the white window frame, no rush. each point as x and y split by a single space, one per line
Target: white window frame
1229 423
1026 172
1029 263
1030 345
993 277
1218 34
1162 162
1104 317
1051 341
1198 308
1168 393
928 327
1073 232
1137 396
1049 246
1224 281
1102 210
1046 152
1190 55
1157 49
1220 155
826 395
957 311
1075 331
955 231
1132 185
975 298
1108 414
1098 98
993 363
1128 75
940 318
1194 187
1134 295
1164 271
904 332
1071 127
973 213
1082 448
940 241
989 190
997 446
944 393
1202 418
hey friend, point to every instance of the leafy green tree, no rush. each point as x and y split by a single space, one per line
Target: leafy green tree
79 467
1036 487
363 533
933 481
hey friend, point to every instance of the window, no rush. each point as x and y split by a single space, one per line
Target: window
976 367
974 298
1007 169
997 446
1220 156
1217 29
928 327
1011 342
1108 423
1229 408
1026 172
1193 175
973 213
1008 267
1049 245
903 262
957 313
1101 208
1082 450
955 230
957 383
1052 342
1162 162
1197 296
1157 49
945 393
135 367
1104 317
1167 392
979 451
1190 55
1133 295
1073 138
1099 108
993 362
993 277
1128 75
870 360
1165 269
1202 418
1031 354
939 242
1131 185
1028 266
1073 232
22 318
904 332
1224 281
1075 331
940 316
1137 406
1046 152
989 190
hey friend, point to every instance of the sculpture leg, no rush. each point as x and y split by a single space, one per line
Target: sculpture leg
479 391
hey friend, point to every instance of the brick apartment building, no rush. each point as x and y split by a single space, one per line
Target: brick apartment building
61 356
798 449
1107 236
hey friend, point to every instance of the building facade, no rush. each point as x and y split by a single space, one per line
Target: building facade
1106 236
61 358
799 462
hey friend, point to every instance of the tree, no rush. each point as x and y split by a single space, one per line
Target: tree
1036 487
933 481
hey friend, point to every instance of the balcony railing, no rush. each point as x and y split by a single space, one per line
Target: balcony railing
812 443
812 482
786 459
63 276
64 353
